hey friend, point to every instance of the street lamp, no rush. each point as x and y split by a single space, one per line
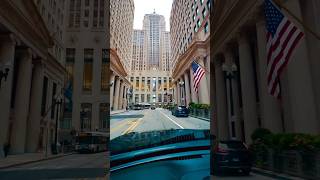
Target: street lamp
181 83
230 75
4 74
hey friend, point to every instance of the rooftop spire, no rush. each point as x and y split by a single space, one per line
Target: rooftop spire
154 11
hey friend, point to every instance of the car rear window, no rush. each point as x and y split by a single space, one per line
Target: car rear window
232 145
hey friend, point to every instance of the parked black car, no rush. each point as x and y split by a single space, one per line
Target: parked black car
231 155
153 107
180 111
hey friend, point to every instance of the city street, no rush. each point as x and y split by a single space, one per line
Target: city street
150 120
75 166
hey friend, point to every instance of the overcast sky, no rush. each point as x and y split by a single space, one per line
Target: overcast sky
142 7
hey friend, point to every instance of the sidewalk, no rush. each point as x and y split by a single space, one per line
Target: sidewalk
274 174
202 118
21 159
117 111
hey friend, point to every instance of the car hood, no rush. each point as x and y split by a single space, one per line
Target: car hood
143 140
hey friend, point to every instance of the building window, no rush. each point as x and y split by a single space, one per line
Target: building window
209 4
104 70
198 23
70 57
85 116
159 97
88 70
44 96
206 28
197 11
104 116
201 1
137 83
142 97
204 13
101 15
95 13
53 99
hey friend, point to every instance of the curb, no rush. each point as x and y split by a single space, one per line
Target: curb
33 161
273 174
205 119
117 113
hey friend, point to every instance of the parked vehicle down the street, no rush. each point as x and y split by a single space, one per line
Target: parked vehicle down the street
180 111
231 155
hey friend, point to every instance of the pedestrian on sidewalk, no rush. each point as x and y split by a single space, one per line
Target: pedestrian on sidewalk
6 149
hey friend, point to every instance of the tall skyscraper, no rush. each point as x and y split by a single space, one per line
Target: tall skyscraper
121 28
151 61
154 26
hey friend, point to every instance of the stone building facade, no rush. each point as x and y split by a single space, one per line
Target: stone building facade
31 79
239 62
121 31
189 27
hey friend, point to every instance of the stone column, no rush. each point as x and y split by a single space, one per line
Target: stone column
204 97
121 96
301 95
33 126
269 106
248 87
194 95
221 104
21 107
7 56
187 88
234 116
116 94
178 93
112 79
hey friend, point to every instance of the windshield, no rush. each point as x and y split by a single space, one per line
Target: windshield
135 141
84 139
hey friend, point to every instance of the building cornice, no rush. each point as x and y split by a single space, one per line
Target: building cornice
26 22
185 60
116 64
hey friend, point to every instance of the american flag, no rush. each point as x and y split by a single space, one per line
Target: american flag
282 38
198 73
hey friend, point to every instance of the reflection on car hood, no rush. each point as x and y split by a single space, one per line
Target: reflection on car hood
135 141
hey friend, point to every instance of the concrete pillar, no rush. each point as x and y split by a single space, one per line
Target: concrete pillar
248 87
112 80
203 86
121 96
187 88
221 104
178 92
194 95
116 95
21 107
269 106
301 95
33 126
7 56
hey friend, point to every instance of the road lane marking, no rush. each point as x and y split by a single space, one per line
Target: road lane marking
132 126
172 120
125 122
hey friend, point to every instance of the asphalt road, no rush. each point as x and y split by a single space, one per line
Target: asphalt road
75 166
150 120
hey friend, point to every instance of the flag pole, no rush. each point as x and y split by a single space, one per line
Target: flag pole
278 3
